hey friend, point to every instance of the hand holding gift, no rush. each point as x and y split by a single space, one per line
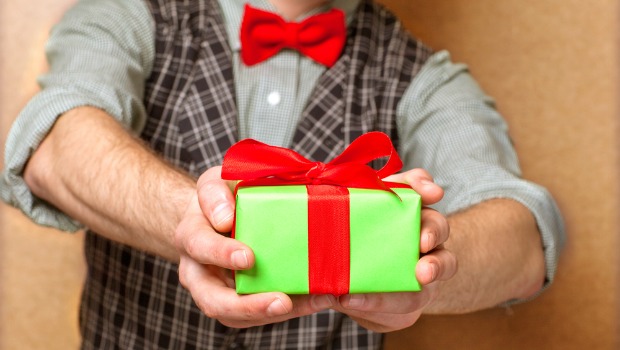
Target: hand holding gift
206 255
385 312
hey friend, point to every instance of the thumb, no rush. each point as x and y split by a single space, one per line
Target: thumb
421 182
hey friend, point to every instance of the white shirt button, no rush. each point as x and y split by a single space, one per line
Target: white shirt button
274 98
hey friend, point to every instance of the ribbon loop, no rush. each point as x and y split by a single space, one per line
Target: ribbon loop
261 164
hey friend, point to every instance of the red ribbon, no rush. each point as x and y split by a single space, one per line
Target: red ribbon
259 164
328 239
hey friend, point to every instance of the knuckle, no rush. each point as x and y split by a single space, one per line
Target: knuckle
209 185
375 302
248 312
213 173
194 246
418 173
211 193
410 177
208 309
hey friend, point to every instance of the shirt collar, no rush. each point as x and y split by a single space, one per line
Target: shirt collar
232 11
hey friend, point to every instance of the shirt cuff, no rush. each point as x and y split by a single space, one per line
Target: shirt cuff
540 203
450 127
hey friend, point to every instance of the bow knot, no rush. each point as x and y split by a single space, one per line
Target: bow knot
264 34
313 174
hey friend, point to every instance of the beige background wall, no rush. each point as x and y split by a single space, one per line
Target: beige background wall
40 269
553 68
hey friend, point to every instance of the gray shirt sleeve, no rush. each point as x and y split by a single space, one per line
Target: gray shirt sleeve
449 127
100 55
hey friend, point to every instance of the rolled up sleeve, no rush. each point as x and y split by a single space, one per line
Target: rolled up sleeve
449 127
99 55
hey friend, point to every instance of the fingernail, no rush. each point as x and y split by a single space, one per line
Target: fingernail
429 241
276 308
424 243
321 302
221 213
355 301
434 271
240 259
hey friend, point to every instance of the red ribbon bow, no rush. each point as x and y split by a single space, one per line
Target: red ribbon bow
259 164
320 37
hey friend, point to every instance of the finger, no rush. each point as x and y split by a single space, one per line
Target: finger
196 238
383 322
421 182
309 304
386 303
439 265
303 305
216 199
434 231
215 173
217 300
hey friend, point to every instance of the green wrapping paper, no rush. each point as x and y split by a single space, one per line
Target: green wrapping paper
384 239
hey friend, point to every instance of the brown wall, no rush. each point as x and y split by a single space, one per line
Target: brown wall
553 68
40 269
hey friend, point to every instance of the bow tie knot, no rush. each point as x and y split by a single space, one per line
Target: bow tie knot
264 34
291 35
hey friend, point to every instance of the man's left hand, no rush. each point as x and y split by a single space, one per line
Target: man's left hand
385 312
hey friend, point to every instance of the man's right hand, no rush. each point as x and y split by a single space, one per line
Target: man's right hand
207 255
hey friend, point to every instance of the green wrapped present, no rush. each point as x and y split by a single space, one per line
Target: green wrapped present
317 228
383 241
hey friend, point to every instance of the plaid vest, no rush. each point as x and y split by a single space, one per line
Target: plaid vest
133 300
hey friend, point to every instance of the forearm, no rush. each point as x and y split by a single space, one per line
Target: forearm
500 256
96 172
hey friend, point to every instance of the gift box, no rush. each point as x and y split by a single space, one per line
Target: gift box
316 228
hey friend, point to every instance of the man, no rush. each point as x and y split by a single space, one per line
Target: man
174 72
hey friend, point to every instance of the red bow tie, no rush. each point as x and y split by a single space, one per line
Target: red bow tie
320 37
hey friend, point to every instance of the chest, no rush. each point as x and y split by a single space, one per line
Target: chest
196 111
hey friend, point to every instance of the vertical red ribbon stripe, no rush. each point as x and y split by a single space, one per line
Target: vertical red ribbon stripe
328 239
